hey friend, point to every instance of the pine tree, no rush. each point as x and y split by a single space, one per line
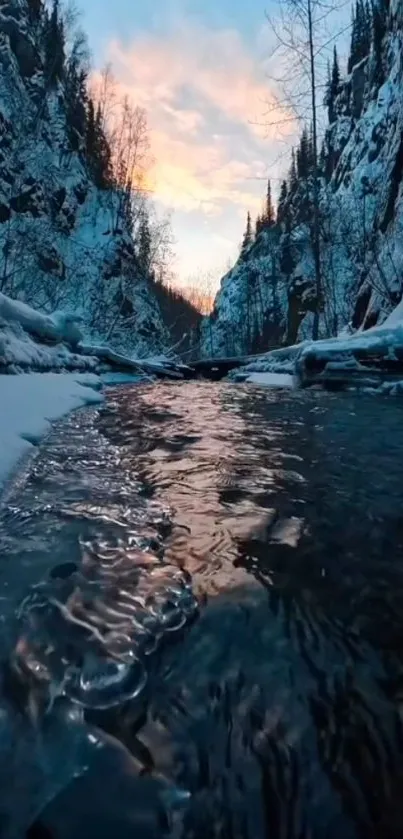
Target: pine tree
90 133
97 148
304 156
269 215
293 177
360 33
332 87
54 46
258 225
327 100
248 238
379 22
335 73
144 244
282 201
76 104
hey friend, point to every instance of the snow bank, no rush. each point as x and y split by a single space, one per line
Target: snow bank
271 379
29 402
31 340
373 357
280 361
58 328
19 352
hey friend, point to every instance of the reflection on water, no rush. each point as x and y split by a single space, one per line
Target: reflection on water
279 706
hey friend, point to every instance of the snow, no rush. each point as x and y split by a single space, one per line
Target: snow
19 352
62 326
271 379
30 402
282 366
396 316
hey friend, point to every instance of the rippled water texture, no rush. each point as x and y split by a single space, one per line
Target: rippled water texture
277 703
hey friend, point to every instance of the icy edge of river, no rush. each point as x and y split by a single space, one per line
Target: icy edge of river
28 405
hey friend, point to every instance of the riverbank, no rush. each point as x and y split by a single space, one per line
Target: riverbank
46 371
370 360
30 402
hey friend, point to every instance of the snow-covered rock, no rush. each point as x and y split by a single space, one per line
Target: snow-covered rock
33 341
269 296
63 243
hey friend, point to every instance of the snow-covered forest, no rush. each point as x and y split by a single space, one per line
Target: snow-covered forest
77 227
274 294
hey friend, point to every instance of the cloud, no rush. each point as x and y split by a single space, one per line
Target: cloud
205 95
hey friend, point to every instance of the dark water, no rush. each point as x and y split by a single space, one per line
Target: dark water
274 707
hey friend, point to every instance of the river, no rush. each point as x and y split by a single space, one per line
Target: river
202 603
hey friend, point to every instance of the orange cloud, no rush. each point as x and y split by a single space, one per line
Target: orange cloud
204 95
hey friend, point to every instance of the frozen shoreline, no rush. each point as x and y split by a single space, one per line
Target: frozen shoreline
30 402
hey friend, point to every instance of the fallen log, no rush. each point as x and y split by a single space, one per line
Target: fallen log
170 370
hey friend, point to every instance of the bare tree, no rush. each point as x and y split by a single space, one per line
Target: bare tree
200 290
303 38
125 127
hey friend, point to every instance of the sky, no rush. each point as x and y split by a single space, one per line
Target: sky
200 69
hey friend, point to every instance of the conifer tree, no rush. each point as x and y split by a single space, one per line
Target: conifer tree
76 104
97 148
303 156
247 239
333 87
269 215
54 45
258 225
144 244
293 172
282 202
360 33
379 18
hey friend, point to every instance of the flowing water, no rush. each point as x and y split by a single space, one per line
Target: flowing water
202 609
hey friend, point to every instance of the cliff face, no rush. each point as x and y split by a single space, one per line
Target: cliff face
64 241
270 293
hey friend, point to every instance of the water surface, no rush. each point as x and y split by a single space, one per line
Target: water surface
276 704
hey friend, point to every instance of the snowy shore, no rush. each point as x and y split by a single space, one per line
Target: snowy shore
46 371
30 402
371 359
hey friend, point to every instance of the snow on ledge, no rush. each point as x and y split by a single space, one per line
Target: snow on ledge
271 379
30 402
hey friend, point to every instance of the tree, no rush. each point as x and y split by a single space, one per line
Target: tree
144 244
333 87
293 179
302 38
303 156
54 45
76 101
360 33
248 238
379 18
269 218
281 209
97 148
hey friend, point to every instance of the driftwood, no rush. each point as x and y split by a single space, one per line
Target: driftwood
169 370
